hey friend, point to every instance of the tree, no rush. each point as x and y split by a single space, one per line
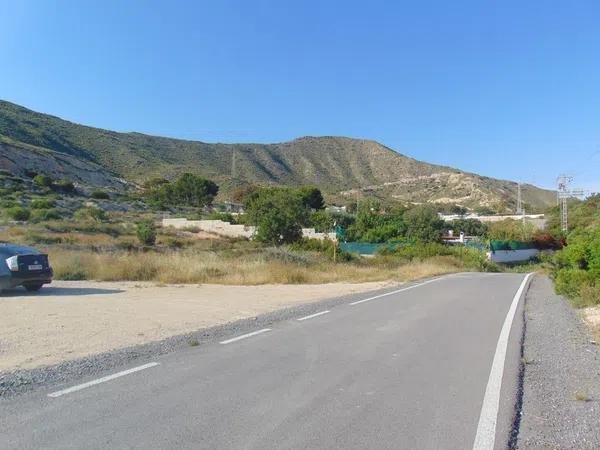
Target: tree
311 196
196 191
509 229
243 194
146 233
278 214
471 227
423 224
321 221
189 190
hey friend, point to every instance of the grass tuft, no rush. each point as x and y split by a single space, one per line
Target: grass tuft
582 397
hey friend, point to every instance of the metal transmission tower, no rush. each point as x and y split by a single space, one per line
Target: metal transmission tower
519 200
563 193
233 163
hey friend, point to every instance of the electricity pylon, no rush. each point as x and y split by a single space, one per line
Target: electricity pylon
563 193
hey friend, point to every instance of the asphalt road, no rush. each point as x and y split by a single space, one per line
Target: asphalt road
405 370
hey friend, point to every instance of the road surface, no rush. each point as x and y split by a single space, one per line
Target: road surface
422 367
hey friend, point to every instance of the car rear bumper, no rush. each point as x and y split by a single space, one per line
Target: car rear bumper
19 278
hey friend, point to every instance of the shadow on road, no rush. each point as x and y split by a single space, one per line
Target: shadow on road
58 291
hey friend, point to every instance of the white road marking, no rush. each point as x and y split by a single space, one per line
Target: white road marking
312 315
101 380
394 292
486 429
244 336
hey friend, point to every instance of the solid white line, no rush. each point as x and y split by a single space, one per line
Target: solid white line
486 429
102 380
312 315
244 336
394 292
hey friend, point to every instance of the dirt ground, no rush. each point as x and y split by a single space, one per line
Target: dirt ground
71 319
592 317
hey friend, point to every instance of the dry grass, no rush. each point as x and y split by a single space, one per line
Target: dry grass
249 268
109 253
582 397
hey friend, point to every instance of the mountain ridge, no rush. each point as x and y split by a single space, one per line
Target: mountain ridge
337 164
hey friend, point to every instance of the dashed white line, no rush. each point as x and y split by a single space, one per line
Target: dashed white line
486 428
244 336
312 315
102 380
394 292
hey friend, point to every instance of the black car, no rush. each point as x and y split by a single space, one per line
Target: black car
23 266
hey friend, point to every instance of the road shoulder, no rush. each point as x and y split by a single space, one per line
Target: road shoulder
95 364
561 385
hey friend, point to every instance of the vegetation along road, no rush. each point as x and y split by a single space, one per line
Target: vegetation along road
434 364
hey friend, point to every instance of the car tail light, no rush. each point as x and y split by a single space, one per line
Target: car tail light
13 263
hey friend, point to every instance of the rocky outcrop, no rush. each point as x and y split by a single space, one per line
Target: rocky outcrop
23 160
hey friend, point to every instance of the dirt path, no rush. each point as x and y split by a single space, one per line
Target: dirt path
68 320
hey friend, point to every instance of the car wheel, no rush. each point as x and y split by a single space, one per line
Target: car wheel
31 287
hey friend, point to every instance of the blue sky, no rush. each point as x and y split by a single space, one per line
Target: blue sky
506 89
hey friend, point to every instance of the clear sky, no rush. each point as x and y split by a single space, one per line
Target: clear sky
509 89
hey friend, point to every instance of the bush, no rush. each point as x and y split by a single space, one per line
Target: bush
43 181
100 195
7 204
511 230
18 213
42 204
225 217
146 233
570 281
64 185
43 215
97 214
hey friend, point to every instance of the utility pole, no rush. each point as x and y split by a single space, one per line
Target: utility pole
563 193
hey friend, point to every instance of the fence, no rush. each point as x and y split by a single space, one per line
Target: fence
366 248
226 229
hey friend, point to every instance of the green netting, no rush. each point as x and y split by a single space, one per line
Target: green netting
510 245
366 248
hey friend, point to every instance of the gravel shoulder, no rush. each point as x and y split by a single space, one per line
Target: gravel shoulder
76 329
561 385
69 320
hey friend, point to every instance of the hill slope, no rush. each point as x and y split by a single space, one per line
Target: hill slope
337 164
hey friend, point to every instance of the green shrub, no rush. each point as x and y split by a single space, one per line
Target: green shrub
43 215
97 214
569 281
589 295
43 181
100 195
42 204
173 243
64 185
7 204
146 233
225 217
19 213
